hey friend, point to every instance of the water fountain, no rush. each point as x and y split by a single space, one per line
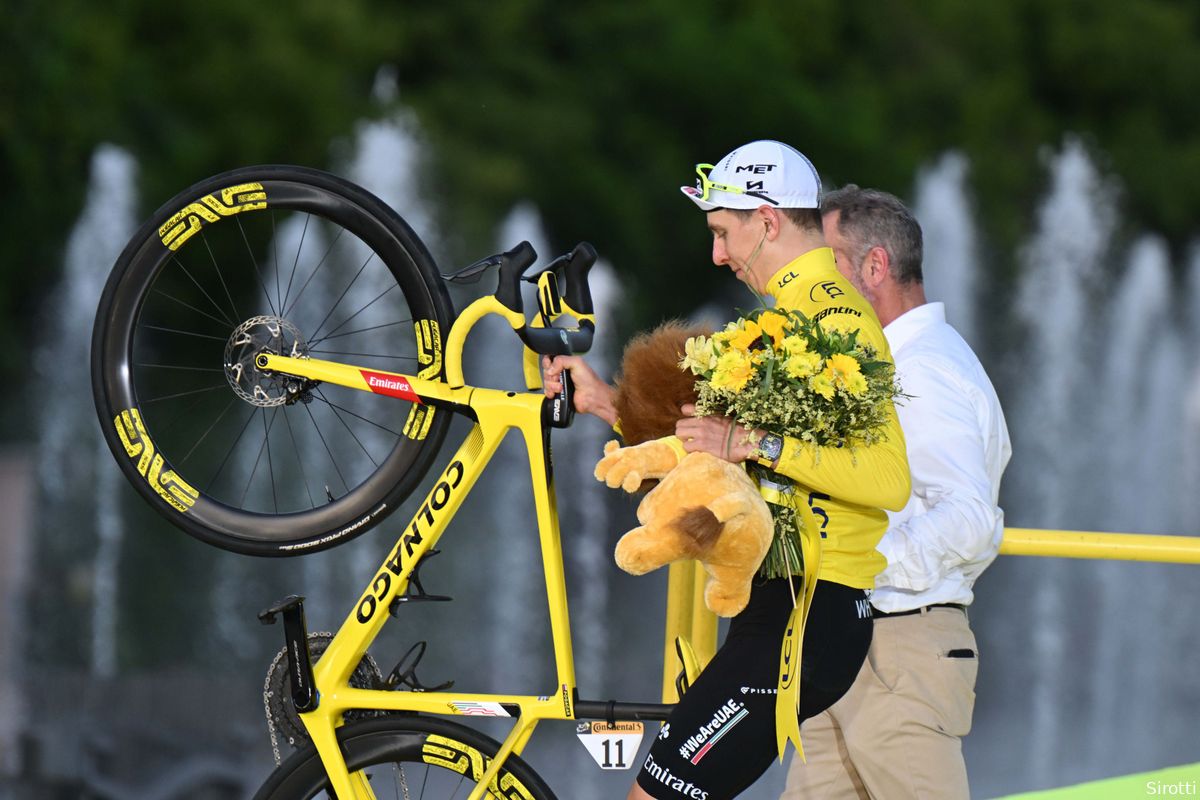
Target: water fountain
73 456
942 207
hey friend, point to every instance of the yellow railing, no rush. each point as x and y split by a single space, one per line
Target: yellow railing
1111 546
687 615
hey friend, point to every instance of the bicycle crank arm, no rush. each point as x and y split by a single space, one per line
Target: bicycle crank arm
304 690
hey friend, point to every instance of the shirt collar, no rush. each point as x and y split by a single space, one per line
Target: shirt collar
906 326
813 261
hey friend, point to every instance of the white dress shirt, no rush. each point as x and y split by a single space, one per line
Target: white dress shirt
958 447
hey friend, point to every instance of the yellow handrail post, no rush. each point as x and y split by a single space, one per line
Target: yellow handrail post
689 617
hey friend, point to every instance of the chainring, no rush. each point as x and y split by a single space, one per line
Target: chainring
277 691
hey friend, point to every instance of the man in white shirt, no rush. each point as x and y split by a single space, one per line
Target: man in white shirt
897 733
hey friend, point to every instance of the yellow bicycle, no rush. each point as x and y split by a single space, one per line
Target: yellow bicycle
275 361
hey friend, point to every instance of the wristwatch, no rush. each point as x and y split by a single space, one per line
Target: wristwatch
768 449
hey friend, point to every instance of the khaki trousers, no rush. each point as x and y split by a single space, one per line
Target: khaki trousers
897 733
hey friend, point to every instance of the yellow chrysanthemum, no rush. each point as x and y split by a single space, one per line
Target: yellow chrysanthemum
794 345
746 336
723 337
844 366
856 384
734 370
822 384
773 324
802 364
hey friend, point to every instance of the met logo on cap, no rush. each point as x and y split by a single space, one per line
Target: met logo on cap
757 169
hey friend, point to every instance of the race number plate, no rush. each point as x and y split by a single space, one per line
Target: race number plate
612 747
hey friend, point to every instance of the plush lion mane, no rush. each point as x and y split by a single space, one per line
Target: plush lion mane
651 387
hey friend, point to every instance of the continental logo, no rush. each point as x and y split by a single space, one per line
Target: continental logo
169 486
210 208
440 751
429 355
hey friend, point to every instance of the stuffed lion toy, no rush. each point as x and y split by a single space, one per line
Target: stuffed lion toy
703 507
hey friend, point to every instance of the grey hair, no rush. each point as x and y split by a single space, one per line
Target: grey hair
873 218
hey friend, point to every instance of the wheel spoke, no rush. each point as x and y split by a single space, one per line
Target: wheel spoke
361 355
209 429
359 416
160 398
299 461
349 286
345 425
366 330
221 277
187 305
254 262
296 262
185 333
356 313
332 460
225 460
207 296
313 274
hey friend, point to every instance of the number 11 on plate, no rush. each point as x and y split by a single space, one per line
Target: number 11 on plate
611 746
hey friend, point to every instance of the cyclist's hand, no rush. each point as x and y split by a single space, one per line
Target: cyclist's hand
718 436
627 467
592 395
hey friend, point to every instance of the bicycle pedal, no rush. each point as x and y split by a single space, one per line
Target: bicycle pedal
405 673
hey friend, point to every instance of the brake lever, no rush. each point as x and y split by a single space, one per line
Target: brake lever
473 272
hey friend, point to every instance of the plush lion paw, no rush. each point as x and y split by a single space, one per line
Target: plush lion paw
627 467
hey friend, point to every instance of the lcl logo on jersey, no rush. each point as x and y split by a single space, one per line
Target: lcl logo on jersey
830 287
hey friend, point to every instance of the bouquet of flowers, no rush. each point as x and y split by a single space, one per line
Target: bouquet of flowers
793 376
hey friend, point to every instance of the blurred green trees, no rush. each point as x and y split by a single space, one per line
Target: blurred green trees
596 113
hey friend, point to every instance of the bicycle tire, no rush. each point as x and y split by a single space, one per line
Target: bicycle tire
432 759
292 260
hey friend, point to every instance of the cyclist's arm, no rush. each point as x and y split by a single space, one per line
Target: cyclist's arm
592 395
874 476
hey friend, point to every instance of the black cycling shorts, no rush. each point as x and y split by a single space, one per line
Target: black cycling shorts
721 736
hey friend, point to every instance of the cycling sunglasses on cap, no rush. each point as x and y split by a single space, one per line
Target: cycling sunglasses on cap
704 185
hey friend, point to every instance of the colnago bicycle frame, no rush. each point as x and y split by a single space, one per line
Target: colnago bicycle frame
496 412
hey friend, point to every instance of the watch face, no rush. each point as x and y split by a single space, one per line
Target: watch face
770 446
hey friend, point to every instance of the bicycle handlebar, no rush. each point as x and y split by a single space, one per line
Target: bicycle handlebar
548 341
540 338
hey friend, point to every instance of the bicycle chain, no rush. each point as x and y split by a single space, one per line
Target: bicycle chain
282 719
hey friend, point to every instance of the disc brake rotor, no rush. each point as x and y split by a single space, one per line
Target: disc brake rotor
262 334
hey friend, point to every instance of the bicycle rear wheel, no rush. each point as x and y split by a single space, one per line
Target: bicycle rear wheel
410 757
287 260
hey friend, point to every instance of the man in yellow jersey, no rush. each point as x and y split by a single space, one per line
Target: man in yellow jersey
761 202
897 733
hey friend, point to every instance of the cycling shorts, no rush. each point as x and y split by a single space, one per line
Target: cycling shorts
720 737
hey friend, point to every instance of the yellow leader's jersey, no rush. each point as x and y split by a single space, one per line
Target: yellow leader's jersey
846 490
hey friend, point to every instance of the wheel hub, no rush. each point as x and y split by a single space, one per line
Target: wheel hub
263 334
